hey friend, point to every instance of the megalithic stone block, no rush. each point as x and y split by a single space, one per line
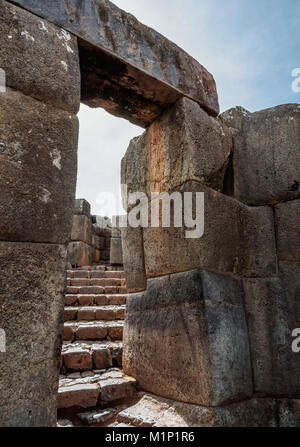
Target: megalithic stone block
80 254
185 338
38 152
237 239
155 74
39 58
266 157
133 259
81 229
270 333
185 143
32 285
290 275
287 220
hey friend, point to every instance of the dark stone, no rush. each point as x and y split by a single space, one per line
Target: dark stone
268 316
185 338
38 161
32 285
287 220
40 59
266 157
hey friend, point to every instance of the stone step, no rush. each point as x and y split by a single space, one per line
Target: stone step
95 290
91 313
98 300
95 388
95 330
85 356
103 282
92 274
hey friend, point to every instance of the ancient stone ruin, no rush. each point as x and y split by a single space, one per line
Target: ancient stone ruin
209 321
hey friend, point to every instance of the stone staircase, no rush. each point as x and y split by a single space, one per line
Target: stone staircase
93 389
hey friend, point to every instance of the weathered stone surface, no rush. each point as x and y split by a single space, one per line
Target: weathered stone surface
157 72
290 275
266 158
40 59
32 282
185 143
80 254
289 413
116 255
82 207
237 239
81 229
185 338
78 359
38 153
270 337
81 395
116 388
287 220
175 149
133 259
102 357
154 411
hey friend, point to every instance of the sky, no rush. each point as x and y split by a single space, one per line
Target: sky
251 48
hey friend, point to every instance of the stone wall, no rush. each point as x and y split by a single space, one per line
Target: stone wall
38 158
90 242
209 321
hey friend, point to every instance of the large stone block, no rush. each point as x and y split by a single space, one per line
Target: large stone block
184 144
80 254
133 259
81 229
287 219
237 239
154 411
32 283
38 159
185 338
290 275
39 58
116 255
127 67
270 337
266 158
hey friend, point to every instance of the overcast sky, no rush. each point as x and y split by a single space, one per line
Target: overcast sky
251 48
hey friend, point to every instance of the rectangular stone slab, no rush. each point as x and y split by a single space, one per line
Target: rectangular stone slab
40 59
185 338
154 411
275 371
237 239
38 161
32 283
125 56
